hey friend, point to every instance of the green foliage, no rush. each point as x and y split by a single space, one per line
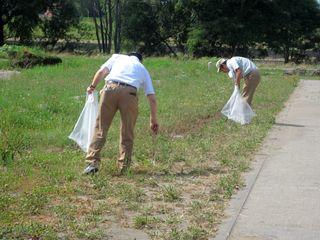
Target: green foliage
174 20
81 32
61 15
200 28
140 27
15 50
293 27
22 17
28 60
197 43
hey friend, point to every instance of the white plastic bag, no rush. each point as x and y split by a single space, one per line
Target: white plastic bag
83 130
237 109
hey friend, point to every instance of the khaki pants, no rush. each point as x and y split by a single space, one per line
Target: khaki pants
115 97
251 82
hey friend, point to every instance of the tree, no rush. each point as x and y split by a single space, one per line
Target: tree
174 20
21 16
59 17
230 27
118 22
197 42
140 27
293 26
155 25
102 13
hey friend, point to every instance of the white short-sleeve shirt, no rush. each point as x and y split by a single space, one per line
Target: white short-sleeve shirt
246 66
128 69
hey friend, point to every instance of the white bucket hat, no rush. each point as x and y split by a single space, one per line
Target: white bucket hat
220 62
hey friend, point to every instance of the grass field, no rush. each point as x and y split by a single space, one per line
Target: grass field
199 156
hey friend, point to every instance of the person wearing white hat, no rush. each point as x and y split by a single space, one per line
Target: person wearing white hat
240 67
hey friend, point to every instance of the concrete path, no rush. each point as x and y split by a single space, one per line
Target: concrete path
281 199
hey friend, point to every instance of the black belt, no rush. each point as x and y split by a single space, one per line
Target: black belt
122 84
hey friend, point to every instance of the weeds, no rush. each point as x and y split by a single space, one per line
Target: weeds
171 194
32 230
192 233
141 221
228 183
129 193
199 156
34 202
12 142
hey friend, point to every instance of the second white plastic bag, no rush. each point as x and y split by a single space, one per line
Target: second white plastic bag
83 130
237 109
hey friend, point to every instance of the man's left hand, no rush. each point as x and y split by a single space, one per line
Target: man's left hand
91 89
154 126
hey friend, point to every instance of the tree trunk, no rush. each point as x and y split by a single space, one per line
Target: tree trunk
106 32
119 30
117 27
110 25
168 46
286 54
1 31
98 6
233 49
165 42
97 32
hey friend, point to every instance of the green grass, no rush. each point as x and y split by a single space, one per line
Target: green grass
199 156
170 194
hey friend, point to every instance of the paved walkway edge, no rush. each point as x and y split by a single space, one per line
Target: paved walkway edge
237 202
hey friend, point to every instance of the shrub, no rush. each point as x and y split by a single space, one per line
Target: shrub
28 60
197 43
25 57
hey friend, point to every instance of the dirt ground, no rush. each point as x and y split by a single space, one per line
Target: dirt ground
4 74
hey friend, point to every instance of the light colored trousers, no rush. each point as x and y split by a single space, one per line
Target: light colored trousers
115 97
251 82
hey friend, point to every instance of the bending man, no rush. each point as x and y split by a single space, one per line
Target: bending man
124 75
240 67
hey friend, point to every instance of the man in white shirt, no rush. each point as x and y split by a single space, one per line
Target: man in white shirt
240 67
124 75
